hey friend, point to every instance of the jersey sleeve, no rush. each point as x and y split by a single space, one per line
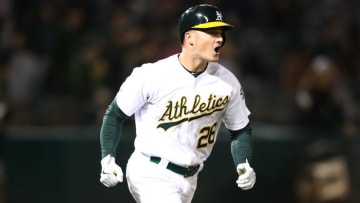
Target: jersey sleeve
133 93
237 114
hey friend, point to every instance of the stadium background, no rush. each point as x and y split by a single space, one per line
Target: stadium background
62 61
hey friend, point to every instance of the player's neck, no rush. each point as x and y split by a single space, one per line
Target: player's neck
192 64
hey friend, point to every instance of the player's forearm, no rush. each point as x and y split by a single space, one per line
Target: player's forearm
241 145
111 129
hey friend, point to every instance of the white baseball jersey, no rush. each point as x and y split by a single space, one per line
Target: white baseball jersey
177 115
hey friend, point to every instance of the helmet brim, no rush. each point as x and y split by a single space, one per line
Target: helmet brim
213 25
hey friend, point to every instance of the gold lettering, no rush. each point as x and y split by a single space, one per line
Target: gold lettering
183 107
180 110
167 112
211 102
195 108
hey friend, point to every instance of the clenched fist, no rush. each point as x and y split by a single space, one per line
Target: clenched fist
111 173
247 176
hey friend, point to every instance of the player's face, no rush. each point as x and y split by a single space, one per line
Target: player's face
208 42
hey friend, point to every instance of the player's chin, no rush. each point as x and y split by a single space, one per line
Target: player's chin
212 57
215 58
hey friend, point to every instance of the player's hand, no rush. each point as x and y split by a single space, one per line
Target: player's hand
111 173
247 176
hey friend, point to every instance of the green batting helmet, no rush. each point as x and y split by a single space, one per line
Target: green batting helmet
201 17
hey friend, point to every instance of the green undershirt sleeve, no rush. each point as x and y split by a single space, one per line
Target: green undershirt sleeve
111 129
241 145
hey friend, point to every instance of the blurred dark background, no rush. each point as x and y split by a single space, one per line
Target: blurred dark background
62 62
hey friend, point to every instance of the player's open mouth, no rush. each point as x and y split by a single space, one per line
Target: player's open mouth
217 49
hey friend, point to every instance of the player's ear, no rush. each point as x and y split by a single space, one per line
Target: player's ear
188 38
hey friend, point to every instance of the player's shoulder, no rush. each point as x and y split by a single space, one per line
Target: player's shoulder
159 65
223 74
220 70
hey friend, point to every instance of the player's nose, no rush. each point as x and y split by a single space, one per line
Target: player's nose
220 39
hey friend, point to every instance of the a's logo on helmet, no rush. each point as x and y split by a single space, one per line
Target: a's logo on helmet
218 16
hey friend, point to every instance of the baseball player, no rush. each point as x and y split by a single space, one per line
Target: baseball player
179 104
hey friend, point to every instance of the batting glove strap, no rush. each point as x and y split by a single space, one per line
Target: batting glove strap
111 174
247 176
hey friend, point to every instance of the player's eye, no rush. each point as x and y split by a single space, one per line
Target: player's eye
214 32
